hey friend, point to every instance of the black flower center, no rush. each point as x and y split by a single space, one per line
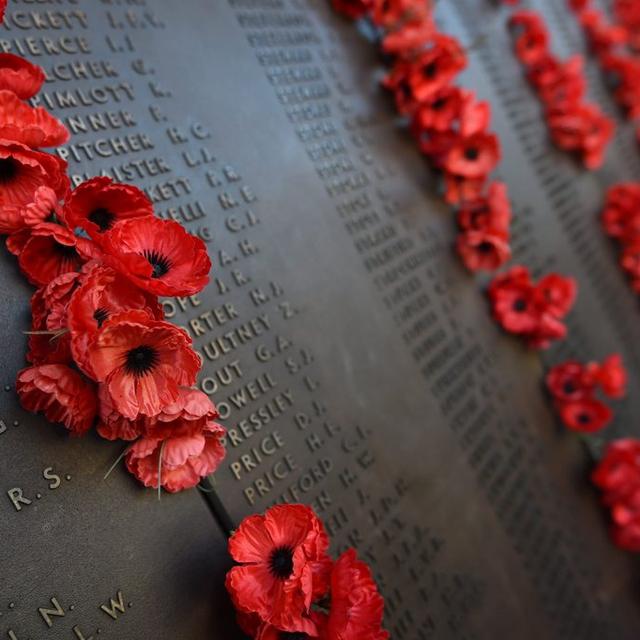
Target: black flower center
100 315
439 104
141 360
569 388
485 247
102 217
471 153
66 252
519 305
160 263
584 418
8 170
281 562
292 635
430 69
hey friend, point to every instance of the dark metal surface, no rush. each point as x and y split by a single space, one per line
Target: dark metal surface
353 360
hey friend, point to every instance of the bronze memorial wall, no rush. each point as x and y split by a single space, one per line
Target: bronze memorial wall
353 360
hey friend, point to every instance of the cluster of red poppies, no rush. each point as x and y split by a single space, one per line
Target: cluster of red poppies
573 387
532 310
609 43
627 13
451 127
618 477
574 124
287 586
100 350
621 221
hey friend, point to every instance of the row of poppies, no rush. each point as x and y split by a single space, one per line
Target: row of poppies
451 128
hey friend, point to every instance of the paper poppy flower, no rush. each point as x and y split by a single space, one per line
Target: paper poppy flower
187 416
99 203
602 35
44 207
436 67
31 126
587 415
617 474
621 214
531 37
473 156
391 13
158 256
284 566
103 294
20 76
177 462
459 190
483 250
623 73
59 392
611 375
583 129
352 8
512 297
47 251
559 84
23 170
490 212
356 606
49 340
569 381
3 6
556 294
143 362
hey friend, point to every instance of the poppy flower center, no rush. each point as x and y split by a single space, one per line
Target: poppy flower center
103 218
100 315
8 169
292 635
471 153
430 70
439 104
584 418
519 305
485 247
569 387
281 562
160 263
65 251
141 360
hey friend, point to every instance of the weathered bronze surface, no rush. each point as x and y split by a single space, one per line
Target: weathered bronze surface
353 361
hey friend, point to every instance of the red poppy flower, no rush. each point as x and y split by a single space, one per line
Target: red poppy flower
143 362
618 472
532 39
549 330
611 375
356 606
627 537
559 84
556 294
3 6
99 203
583 129
490 212
483 250
20 76
436 67
31 126
181 460
49 342
48 251
45 206
103 294
621 215
473 156
158 256
407 39
586 415
569 382
59 392
352 8
284 566
23 170
602 35
187 416
630 257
